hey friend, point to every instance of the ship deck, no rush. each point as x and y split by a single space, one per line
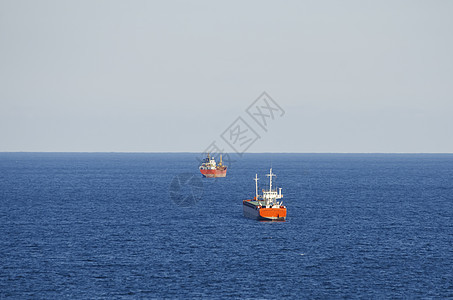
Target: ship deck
254 202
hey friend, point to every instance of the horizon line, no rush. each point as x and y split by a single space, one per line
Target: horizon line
192 152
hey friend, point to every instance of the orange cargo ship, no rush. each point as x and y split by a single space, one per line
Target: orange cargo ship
265 206
209 168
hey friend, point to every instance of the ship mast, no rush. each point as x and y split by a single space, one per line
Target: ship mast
270 179
256 186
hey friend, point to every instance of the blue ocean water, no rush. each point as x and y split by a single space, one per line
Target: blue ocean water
103 225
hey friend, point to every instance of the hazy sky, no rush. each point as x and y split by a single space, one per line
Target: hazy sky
351 76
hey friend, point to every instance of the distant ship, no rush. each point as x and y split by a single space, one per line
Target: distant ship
209 168
265 206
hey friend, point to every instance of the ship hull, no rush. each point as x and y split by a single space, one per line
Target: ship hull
256 212
213 173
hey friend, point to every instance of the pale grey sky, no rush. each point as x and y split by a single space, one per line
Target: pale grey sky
352 76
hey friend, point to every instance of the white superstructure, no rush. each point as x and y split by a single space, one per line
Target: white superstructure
269 197
209 163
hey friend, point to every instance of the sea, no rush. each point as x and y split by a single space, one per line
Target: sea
148 226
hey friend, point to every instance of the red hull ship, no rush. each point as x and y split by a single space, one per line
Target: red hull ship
209 168
265 207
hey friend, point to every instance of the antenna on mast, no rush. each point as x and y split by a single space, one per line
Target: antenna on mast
270 179
256 186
